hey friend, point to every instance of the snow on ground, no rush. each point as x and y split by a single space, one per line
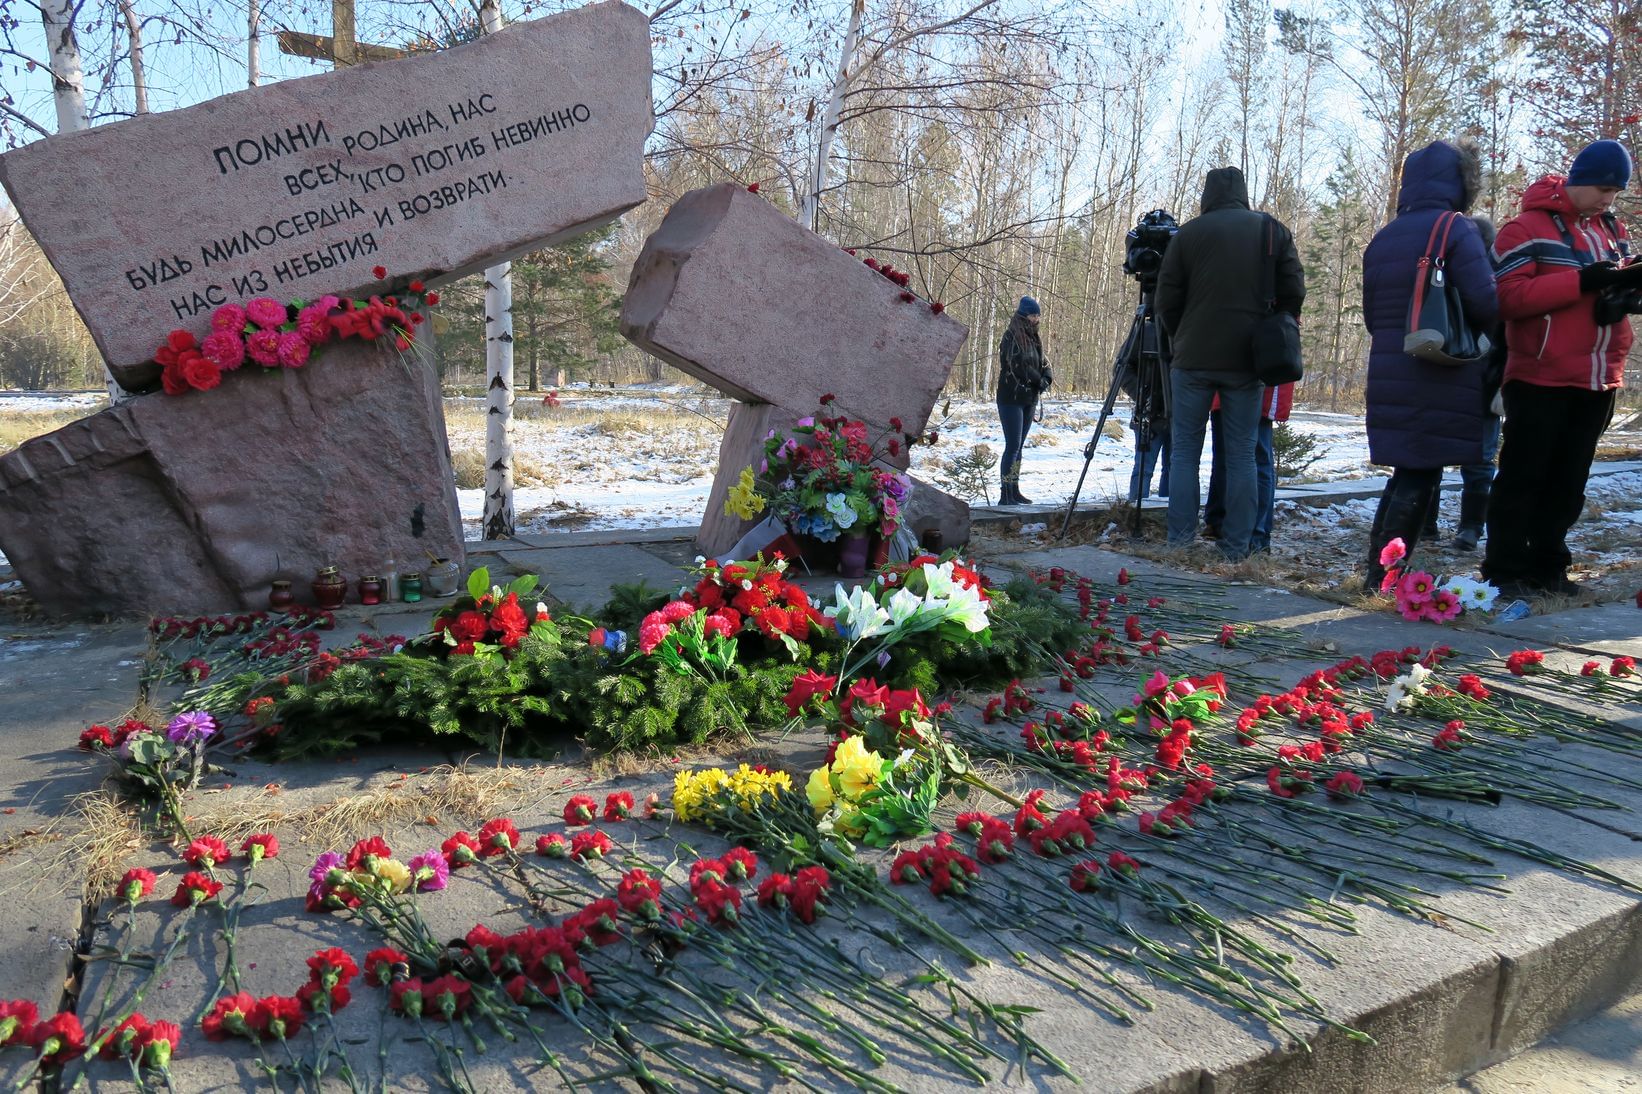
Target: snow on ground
643 457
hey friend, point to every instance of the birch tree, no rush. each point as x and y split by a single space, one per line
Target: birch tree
498 519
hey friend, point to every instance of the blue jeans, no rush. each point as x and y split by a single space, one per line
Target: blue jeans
1140 478
1479 475
1194 393
1017 421
1265 483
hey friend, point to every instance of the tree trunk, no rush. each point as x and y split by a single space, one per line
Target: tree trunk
810 212
498 517
253 47
69 91
139 82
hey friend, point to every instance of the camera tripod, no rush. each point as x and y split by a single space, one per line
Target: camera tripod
1141 371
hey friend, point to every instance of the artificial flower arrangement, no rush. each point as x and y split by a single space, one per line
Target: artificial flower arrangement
1419 595
729 600
490 621
157 763
821 480
273 335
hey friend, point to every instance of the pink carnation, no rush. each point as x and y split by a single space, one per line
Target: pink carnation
263 347
293 349
229 317
224 348
1393 552
265 312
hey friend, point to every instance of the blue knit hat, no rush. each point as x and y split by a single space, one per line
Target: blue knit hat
1028 307
1604 163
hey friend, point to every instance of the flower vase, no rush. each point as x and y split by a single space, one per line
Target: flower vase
879 555
854 556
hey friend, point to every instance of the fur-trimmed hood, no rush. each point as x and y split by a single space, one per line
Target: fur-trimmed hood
1441 176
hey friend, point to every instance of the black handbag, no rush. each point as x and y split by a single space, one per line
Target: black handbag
1277 332
1437 330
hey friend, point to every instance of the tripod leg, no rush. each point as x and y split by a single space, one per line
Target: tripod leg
1089 450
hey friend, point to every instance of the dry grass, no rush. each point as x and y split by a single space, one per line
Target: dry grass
446 793
97 840
20 427
469 467
99 837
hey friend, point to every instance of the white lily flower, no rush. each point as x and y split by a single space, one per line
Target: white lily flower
939 579
903 605
857 613
967 607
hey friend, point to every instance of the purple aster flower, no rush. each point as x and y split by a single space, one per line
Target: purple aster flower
191 728
324 864
430 871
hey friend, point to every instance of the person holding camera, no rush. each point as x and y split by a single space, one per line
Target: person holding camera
1423 415
1566 284
1208 302
1023 375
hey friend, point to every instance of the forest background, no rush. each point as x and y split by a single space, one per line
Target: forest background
993 148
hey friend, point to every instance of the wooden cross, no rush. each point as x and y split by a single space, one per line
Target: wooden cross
339 47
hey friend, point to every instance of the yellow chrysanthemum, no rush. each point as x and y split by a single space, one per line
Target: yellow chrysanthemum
693 792
819 789
742 500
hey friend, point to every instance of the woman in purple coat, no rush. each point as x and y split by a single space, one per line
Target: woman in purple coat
1423 416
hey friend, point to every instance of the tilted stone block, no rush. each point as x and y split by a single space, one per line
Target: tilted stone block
740 296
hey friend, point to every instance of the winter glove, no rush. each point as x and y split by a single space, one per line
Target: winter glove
1598 276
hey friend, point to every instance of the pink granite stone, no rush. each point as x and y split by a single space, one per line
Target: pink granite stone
433 166
195 503
738 295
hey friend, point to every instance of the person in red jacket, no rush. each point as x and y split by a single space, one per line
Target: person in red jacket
1565 280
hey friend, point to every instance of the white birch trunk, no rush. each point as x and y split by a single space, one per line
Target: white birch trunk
810 211
498 517
253 44
69 91
139 78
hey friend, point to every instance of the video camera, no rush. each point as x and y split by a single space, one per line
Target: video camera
1147 241
1615 304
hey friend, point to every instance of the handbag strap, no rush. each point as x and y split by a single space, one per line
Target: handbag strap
1434 250
1268 263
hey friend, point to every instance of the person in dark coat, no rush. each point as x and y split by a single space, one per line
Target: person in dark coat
1208 299
1023 375
1423 416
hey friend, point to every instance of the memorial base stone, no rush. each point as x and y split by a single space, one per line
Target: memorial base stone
196 503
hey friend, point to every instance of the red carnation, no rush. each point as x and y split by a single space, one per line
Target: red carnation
284 1014
195 888
58 1039
363 853
379 272
206 852
1525 662
380 964
580 810
460 850
640 895
136 884
590 844
469 626
235 1016
618 806
497 836
552 845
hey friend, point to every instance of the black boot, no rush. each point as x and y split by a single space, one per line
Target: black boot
1473 511
1401 515
1431 531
